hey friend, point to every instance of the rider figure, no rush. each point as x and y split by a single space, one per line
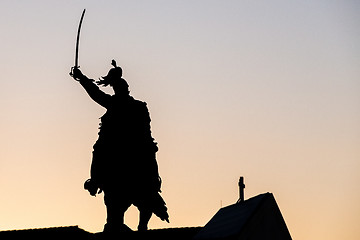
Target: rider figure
124 156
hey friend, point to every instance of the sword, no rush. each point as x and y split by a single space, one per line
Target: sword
77 44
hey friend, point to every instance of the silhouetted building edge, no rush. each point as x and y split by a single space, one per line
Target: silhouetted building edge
256 218
53 233
74 232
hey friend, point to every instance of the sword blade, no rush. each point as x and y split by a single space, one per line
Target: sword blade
78 40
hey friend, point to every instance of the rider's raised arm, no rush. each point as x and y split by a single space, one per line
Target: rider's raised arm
95 93
91 88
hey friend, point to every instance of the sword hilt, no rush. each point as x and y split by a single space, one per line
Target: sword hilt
71 73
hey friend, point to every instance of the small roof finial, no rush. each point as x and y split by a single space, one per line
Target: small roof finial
241 190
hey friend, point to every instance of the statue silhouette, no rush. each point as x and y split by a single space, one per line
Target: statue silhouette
124 156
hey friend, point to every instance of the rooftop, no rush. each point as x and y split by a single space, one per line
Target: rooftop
74 232
256 218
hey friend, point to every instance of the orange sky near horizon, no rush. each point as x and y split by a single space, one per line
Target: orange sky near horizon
268 91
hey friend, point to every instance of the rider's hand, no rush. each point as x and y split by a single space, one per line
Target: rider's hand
76 73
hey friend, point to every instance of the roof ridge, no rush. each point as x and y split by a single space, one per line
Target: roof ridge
44 228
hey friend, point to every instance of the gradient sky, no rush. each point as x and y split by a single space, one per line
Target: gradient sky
266 90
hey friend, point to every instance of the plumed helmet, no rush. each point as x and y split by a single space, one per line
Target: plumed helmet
114 74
